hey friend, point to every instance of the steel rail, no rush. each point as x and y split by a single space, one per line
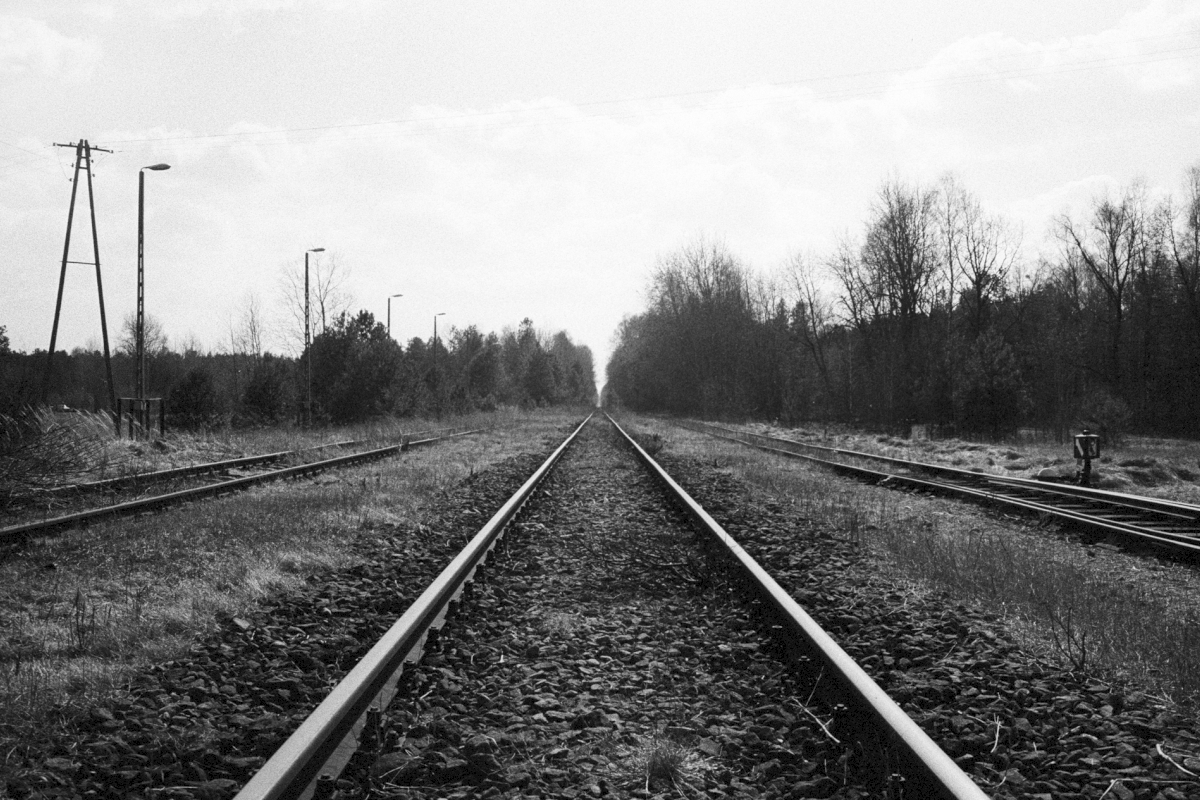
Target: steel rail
1166 508
164 475
292 771
1187 544
932 772
211 490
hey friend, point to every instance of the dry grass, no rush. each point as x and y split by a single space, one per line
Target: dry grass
660 763
43 448
1091 607
79 612
182 448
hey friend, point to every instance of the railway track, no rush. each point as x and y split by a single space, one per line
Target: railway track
855 735
151 478
607 645
224 485
1162 524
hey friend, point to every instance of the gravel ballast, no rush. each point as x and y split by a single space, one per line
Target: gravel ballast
601 656
1020 727
200 726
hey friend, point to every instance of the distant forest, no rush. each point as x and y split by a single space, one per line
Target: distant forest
931 316
358 372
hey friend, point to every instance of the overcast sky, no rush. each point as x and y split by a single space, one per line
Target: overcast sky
496 161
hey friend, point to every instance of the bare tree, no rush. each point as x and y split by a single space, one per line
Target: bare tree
901 249
248 329
328 297
1184 237
861 298
813 313
1110 246
980 249
190 345
155 337
701 291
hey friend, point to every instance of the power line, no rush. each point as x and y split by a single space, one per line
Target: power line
504 118
24 149
264 137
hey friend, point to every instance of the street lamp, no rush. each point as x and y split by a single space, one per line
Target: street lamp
308 343
140 389
435 316
390 312
436 377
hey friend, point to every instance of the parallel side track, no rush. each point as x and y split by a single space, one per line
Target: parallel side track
1165 524
165 475
157 502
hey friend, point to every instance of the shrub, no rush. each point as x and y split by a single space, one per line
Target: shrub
990 397
269 395
1105 414
193 401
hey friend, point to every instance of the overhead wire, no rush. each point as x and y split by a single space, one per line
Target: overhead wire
422 126
505 121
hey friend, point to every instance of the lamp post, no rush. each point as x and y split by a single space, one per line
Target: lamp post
436 376
140 389
308 343
390 312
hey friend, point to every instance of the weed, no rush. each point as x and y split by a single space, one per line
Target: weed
82 622
1070 639
664 764
658 763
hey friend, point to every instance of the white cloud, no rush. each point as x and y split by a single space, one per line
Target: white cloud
31 47
547 209
1152 48
171 9
1163 25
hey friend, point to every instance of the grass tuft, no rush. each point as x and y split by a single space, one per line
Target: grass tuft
657 763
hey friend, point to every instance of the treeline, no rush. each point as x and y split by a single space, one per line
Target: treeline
358 372
932 316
